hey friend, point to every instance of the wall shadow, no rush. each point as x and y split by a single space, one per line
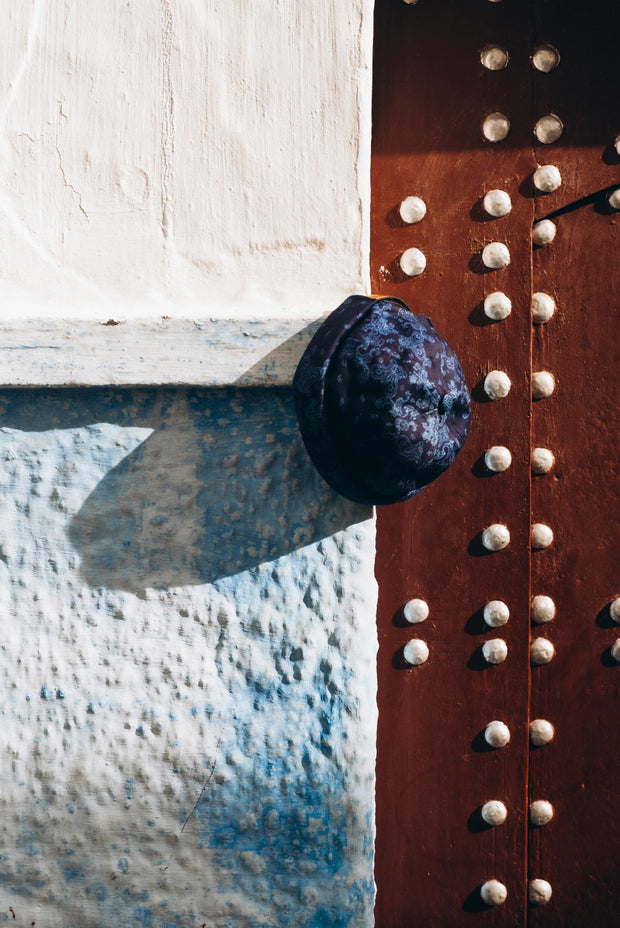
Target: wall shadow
222 484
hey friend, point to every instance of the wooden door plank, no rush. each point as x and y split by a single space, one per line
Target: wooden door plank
578 853
431 95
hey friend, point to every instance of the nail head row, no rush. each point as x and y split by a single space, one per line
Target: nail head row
494 893
497 536
547 130
495 57
496 613
497 733
497 384
494 812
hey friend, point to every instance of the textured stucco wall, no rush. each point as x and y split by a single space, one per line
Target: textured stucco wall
188 710
187 665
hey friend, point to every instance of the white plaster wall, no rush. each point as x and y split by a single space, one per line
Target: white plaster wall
188 708
174 156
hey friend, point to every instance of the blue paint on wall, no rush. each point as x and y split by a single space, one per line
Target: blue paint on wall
191 694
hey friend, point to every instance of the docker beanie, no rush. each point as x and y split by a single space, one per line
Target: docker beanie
381 401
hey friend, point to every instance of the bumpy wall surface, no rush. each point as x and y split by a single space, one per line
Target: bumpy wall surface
188 702
188 666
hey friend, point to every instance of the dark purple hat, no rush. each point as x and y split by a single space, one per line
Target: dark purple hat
381 400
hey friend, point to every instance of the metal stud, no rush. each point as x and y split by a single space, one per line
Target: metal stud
546 58
493 892
544 232
494 812
497 734
541 732
416 610
547 178
496 537
496 613
495 651
497 385
615 650
412 262
541 651
543 609
542 460
614 198
496 127
543 384
543 307
494 57
548 129
495 256
539 892
541 536
497 203
497 306
541 812
614 610
498 459
412 210
415 652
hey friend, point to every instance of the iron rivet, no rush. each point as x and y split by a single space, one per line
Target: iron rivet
543 307
497 734
495 651
498 459
545 58
496 127
495 256
412 262
412 210
543 609
548 129
541 536
541 732
494 812
615 650
543 232
614 610
542 460
497 385
497 306
541 812
547 178
543 384
415 652
416 610
496 537
497 203
539 892
493 892
496 613
541 651
614 198
494 57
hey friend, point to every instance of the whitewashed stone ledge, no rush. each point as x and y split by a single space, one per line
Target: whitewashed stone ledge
182 351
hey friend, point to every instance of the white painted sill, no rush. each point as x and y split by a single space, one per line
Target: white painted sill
201 350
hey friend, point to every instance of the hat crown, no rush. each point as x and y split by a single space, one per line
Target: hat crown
390 409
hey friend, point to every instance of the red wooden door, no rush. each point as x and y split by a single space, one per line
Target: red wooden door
557 94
